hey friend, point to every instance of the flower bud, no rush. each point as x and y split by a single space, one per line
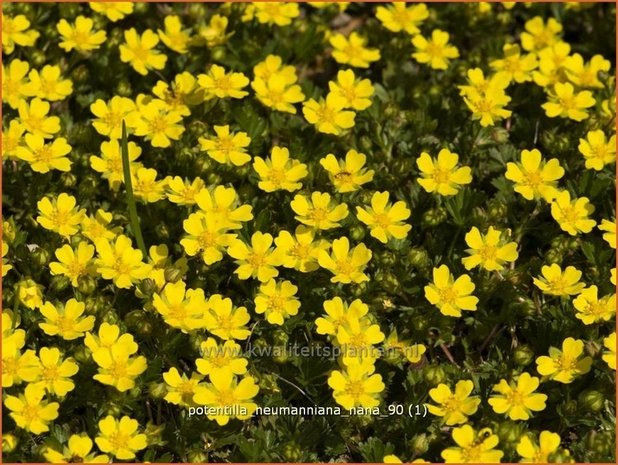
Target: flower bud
196 12
162 231
554 256
147 288
86 285
523 355
218 53
80 75
434 374
37 58
41 256
359 289
81 354
140 8
138 322
560 456
8 230
9 443
357 233
68 180
197 455
292 452
496 210
387 258
198 129
173 274
59 283
509 432
157 390
591 400
418 257
419 444
124 89
214 178
434 217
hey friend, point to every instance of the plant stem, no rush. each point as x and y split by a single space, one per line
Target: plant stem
126 168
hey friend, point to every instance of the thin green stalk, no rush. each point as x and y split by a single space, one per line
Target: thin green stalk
126 168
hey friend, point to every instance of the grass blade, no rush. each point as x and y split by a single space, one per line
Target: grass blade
126 168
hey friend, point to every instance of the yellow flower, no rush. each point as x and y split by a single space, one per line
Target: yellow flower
120 262
45 157
224 320
183 192
609 356
109 336
18 367
329 116
351 50
74 264
12 139
564 102
120 437
279 172
60 214
450 295
346 265
357 338
540 35
486 97
572 215
113 10
338 314
173 36
517 401
158 124
610 232
592 309
78 448
15 32
535 178
140 51
517 67
181 93
279 13
356 92
256 261
556 282
31 411
489 251
538 453
319 212
145 185
393 458
34 117
218 83
299 251
441 174
6 267
180 307
207 233
552 62
474 446
221 357
66 320
454 406
109 164
436 51
110 115
214 32
274 84
597 150
180 389
564 365
15 87
48 84
227 148
30 293
398 16
117 368
586 74
56 373
80 36
385 220
95 227
274 93
356 386
347 175
277 301
223 201
227 398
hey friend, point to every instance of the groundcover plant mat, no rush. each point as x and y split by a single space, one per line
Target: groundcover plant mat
308 232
